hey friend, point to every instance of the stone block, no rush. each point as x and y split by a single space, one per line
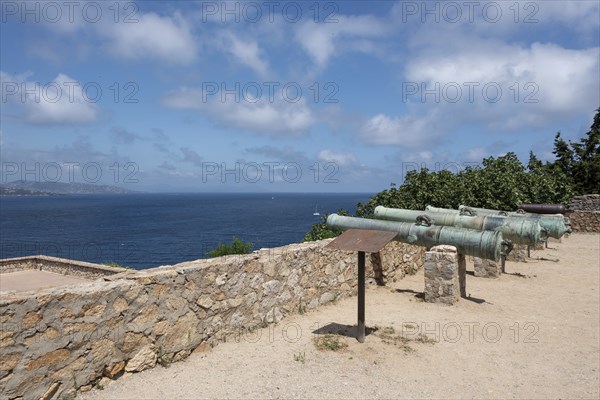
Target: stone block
145 358
442 284
518 253
485 268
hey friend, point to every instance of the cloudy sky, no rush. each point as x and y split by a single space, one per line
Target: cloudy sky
287 96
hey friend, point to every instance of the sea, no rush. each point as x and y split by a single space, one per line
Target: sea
149 230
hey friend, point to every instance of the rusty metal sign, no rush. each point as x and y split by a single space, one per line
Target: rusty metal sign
369 241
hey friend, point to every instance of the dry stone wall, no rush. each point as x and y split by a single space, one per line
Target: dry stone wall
59 265
586 214
57 341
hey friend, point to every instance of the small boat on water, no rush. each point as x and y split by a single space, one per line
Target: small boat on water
316 213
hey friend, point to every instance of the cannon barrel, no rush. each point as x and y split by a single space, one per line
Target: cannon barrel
556 225
516 229
544 208
483 244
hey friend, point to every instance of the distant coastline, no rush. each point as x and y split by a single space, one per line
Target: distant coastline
28 188
9 191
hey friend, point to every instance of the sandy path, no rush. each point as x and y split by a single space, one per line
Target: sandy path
34 279
535 336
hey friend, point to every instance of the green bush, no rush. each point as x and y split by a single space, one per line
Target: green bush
320 230
500 183
237 246
117 265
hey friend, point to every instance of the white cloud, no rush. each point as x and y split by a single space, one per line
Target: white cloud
246 52
61 101
324 40
277 117
153 36
475 154
578 14
535 81
406 131
341 158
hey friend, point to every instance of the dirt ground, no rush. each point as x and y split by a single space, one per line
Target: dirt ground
34 279
533 333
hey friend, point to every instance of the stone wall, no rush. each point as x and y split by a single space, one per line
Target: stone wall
588 202
56 341
586 214
59 265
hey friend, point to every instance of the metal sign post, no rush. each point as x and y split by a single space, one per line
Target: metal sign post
362 241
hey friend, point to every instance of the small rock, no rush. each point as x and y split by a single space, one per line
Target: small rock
85 388
145 358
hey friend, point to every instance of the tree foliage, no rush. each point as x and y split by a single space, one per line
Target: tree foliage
237 246
499 183
320 230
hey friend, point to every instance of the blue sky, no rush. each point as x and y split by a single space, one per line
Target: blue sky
288 96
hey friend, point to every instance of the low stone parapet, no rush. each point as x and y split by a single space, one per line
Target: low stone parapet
60 340
62 266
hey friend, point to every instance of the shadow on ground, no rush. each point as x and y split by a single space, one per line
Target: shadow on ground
418 295
341 329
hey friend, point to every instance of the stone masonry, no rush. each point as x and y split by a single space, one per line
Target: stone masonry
588 202
586 214
518 253
59 265
484 268
442 281
56 341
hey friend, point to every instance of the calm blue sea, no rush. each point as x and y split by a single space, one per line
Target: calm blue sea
148 230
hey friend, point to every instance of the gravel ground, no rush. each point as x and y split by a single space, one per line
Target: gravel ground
533 333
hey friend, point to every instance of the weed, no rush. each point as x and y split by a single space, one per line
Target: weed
301 308
388 330
424 339
411 270
329 342
161 360
300 357
117 265
388 336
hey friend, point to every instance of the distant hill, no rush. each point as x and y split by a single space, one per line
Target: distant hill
48 188
10 191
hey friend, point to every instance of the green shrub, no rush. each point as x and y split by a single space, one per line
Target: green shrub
320 230
237 246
